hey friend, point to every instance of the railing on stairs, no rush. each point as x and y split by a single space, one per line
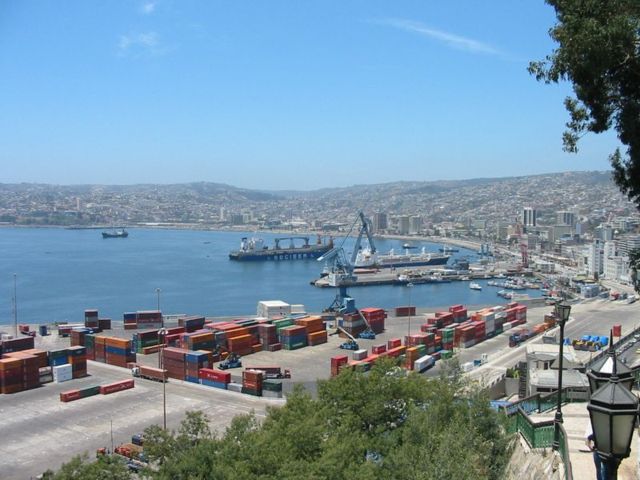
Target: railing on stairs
540 434
542 402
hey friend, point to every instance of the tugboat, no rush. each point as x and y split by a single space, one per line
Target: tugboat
119 233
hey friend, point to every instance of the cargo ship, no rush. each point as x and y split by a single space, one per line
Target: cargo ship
366 258
253 249
120 233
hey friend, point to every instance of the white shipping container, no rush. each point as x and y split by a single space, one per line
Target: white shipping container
273 308
467 367
423 363
359 354
234 387
507 326
490 324
62 373
297 309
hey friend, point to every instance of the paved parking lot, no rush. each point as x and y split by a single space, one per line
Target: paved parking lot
40 432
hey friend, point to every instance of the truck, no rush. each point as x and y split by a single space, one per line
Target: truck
519 337
150 373
232 361
273 372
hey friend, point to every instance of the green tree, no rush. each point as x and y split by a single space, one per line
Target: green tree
80 468
381 424
385 423
599 53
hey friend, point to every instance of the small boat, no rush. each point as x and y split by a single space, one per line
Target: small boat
448 249
475 286
407 246
119 233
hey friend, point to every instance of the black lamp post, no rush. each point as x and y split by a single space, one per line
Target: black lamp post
162 327
613 410
562 311
602 370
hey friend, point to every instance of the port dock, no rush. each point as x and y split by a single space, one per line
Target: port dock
401 277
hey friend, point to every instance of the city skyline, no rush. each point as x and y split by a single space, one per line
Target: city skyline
280 96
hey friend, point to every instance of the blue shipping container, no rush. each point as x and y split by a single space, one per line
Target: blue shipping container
211 383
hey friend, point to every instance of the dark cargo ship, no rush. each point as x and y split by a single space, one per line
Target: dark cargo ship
120 233
253 249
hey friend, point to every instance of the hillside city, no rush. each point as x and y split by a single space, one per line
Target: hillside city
578 219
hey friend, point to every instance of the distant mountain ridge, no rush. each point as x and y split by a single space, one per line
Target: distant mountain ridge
205 189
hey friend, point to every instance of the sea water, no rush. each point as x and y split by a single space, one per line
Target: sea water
60 272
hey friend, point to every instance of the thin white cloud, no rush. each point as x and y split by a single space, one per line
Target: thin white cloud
451 40
137 44
148 8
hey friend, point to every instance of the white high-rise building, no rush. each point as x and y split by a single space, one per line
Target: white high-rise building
380 221
403 225
415 224
604 232
594 256
566 218
626 243
529 217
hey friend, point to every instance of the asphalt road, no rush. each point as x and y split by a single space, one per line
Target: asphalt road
39 432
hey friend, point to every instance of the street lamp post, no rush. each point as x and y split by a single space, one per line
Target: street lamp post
159 311
613 411
562 311
410 285
161 328
15 304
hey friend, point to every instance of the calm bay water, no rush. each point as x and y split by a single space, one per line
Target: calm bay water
60 273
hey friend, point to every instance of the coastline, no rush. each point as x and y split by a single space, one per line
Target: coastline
470 244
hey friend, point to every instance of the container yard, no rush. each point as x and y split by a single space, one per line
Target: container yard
72 413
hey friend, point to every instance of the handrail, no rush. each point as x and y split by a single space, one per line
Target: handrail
539 402
541 435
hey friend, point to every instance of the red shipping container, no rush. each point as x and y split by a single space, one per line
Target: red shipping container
69 396
215 375
394 342
116 386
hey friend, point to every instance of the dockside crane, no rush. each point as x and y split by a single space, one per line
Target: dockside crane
341 267
341 272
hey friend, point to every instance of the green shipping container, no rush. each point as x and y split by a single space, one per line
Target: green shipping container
89 391
272 386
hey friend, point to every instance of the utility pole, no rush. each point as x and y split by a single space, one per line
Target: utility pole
15 304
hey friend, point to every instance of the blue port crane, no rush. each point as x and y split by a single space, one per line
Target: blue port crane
341 270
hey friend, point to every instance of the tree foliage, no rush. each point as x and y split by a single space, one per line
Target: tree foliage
80 468
599 53
361 426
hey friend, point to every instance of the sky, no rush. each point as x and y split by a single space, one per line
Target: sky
275 94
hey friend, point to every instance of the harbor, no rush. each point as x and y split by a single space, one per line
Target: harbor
57 267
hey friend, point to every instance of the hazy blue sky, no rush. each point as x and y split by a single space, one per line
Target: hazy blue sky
279 94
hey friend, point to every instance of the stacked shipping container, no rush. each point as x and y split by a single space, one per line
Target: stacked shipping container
252 382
